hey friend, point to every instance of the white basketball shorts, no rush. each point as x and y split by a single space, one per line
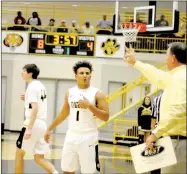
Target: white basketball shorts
80 149
36 144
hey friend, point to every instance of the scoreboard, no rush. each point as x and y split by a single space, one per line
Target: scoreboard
62 44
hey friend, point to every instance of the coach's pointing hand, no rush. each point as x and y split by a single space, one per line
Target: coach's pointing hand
129 56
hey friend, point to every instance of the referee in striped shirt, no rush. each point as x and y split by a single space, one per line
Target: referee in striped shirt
156 112
155 119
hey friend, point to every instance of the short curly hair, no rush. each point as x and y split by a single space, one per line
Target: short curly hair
82 64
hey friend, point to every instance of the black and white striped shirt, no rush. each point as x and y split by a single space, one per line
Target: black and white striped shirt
156 109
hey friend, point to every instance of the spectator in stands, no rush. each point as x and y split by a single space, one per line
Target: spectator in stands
87 28
162 21
34 20
138 19
19 19
144 117
51 22
62 28
104 24
74 27
20 28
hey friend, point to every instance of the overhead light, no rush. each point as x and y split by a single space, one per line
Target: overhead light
74 5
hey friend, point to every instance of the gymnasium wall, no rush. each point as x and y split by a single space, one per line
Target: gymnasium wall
58 68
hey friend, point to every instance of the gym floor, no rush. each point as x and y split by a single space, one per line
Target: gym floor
113 158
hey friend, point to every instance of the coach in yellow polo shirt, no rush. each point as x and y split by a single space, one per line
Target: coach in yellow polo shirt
173 104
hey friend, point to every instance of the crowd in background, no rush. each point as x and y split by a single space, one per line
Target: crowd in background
104 27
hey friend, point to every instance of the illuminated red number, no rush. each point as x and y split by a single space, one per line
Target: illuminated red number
90 45
40 44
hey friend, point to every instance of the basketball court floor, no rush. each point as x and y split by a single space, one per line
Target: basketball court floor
113 159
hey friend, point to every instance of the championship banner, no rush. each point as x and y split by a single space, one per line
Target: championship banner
14 42
110 46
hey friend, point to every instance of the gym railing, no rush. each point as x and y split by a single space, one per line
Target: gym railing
129 86
153 44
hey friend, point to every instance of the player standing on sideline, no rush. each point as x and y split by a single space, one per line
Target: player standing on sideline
31 138
83 104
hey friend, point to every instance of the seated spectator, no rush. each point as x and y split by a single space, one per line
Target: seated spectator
19 19
21 28
34 20
144 117
138 20
87 28
51 24
74 27
104 24
63 28
162 21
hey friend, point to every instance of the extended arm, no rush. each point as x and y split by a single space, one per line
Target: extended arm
157 77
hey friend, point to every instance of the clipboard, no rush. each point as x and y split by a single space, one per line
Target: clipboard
163 155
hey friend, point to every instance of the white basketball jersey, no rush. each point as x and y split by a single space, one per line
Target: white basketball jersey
81 120
36 93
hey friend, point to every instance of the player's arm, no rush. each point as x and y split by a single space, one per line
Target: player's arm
33 101
101 111
156 76
33 115
62 115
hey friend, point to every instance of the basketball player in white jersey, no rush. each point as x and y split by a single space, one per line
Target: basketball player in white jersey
83 104
31 136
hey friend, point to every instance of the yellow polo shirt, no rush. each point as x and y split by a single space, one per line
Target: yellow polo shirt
173 102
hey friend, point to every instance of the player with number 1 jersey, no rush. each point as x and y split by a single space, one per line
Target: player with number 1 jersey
82 106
